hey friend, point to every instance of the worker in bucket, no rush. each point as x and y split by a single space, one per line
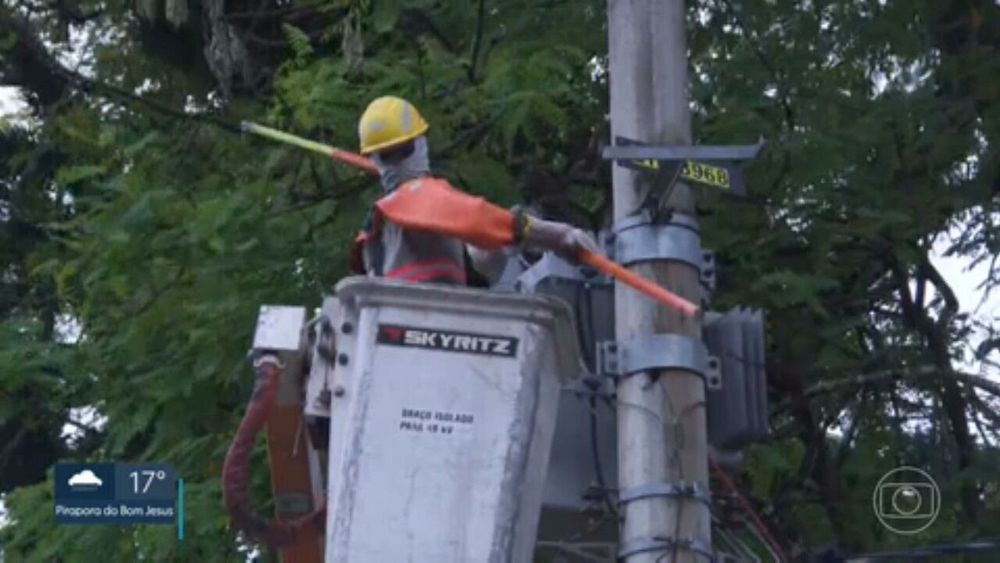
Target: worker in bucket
423 229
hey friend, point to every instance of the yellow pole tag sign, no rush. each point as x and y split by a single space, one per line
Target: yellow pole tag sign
694 171
703 173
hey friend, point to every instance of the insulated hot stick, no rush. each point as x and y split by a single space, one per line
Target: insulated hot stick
341 155
596 261
661 295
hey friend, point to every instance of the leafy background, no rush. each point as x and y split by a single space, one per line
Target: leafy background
139 232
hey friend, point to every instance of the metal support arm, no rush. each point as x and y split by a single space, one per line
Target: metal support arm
659 352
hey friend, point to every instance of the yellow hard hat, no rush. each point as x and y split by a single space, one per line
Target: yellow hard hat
389 121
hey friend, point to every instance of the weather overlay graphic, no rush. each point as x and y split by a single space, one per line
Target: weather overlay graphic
118 493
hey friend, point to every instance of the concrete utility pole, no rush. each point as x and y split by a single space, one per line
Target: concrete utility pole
662 435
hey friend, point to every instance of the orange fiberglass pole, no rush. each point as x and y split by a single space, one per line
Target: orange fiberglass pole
596 261
639 283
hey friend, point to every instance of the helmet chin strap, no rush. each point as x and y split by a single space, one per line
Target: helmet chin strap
414 166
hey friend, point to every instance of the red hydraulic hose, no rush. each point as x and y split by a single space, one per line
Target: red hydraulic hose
236 469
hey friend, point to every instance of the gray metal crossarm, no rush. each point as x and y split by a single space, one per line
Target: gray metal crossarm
697 152
718 167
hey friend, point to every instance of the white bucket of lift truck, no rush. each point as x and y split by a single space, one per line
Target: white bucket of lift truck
444 403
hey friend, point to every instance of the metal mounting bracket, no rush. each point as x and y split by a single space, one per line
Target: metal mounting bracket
716 166
680 489
645 545
638 239
659 351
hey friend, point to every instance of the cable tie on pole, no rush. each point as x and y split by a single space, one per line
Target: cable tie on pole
681 489
659 543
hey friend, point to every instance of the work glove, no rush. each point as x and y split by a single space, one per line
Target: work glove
565 240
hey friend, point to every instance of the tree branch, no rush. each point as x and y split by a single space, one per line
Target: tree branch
921 286
157 294
852 430
988 412
829 386
979 427
786 106
277 11
480 25
80 426
986 347
29 64
13 443
32 67
951 302
422 22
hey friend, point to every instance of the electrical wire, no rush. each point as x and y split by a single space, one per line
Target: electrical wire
584 327
755 519
595 453
673 421
585 335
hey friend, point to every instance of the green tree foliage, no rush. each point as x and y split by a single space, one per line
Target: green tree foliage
129 204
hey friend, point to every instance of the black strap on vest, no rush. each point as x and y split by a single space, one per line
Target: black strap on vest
373 246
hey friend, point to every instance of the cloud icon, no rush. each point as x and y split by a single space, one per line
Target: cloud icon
85 480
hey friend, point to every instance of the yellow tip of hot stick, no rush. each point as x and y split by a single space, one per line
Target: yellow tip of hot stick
339 155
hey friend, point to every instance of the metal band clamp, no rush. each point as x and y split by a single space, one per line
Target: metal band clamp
659 351
645 545
640 240
645 217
